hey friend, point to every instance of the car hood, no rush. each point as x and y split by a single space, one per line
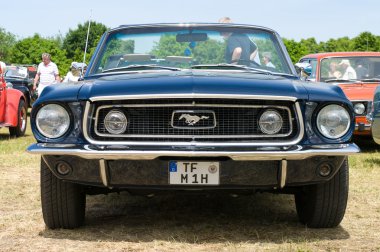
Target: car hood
192 83
359 91
203 82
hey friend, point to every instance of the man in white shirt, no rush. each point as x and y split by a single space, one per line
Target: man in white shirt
47 73
349 72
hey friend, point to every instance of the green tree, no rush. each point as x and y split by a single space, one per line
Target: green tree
311 45
75 40
343 44
205 52
365 41
168 46
209 52
296 50
29 51
7 41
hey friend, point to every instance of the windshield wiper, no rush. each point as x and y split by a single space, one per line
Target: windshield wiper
370 80
338 80
230 66
141 67
241 67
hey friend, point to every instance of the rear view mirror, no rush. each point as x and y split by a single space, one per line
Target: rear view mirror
191 37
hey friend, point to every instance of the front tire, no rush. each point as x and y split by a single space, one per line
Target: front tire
63 203
20 128
324 205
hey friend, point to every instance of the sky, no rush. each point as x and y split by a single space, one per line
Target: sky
292 19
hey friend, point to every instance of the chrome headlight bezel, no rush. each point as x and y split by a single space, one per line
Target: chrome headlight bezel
328 131
273 131
123 122
65 119
359 108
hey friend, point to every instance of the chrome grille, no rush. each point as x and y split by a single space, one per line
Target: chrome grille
236 120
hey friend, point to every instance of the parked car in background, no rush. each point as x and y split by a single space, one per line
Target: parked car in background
357 73
13 107
21 77
374 116
162 108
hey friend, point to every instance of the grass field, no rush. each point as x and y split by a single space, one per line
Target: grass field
120 222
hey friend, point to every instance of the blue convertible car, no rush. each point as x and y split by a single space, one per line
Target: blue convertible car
193 106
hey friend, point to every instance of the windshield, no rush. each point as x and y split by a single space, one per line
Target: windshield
178 48
350 68
16 72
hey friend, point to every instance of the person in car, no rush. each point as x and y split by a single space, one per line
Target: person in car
348 72
333 71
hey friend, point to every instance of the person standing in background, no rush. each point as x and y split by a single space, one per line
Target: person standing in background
47 74
267 58
239 48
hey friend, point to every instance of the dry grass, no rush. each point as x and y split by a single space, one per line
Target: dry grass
263 222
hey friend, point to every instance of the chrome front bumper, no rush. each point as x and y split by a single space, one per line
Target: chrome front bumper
296 152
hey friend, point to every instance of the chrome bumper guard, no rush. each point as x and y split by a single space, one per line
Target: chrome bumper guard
296 152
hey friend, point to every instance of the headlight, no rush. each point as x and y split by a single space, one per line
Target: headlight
333 121
359 108
53 121
270 122
115 122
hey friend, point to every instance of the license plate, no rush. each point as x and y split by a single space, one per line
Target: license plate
193 173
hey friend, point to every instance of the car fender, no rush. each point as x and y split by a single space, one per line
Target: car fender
11 110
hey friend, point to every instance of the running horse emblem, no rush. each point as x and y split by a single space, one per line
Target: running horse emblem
192 119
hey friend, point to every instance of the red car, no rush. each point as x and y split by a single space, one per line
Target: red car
13 108
357 73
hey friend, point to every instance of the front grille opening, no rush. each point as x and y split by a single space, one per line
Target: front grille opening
236 120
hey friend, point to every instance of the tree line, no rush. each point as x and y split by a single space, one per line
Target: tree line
69 48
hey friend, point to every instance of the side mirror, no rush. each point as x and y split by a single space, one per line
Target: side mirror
303 69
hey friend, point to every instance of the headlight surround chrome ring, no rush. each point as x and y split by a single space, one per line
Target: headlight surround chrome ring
53 120
115 122
270 122
359 108
333 121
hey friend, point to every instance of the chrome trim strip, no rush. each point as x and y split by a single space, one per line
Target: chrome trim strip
103 171
284 170
296 154
299 119
193 96
191 136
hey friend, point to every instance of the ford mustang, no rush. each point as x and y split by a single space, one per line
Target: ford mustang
189 107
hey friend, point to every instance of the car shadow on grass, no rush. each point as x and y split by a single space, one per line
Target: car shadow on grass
366 144
4 136
194 219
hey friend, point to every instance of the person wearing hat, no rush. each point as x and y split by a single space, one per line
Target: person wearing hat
75 72
267 57
348 72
